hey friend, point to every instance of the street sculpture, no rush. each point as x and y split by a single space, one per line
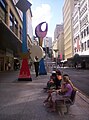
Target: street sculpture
36 50
24 5
41 34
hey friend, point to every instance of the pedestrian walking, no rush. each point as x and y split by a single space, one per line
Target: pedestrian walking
36 64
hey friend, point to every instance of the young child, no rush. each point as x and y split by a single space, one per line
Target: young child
51 83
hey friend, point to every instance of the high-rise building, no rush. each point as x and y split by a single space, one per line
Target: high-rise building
58 43
57 30
67 20
81 28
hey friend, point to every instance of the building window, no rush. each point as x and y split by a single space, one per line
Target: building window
11 21
20 33
3 3
82 47
88 43
84 9
78 44
16 27
84 21
85 46
84 32
87 30
81 34
74 40
75 49
3 10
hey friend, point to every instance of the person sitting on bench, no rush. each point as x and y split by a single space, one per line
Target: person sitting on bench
57 83
64 92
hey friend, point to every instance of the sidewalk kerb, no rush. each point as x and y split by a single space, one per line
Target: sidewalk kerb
82 96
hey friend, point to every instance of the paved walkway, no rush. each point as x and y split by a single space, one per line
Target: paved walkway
24 100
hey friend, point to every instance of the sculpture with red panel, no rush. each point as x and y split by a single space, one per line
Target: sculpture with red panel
24 5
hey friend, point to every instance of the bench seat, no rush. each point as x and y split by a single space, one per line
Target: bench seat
64 104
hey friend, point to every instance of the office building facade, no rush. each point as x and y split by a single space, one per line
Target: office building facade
81 28
10 33
67 21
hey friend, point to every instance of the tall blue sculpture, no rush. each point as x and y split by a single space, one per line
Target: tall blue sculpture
24 5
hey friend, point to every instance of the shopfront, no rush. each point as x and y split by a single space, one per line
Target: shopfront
10 47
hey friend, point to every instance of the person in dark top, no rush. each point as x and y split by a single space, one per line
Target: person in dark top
36 64
51 83
57 81
57 78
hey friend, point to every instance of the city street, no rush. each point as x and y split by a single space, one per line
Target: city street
23 100
36 36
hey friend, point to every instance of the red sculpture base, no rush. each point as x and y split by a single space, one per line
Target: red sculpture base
24 71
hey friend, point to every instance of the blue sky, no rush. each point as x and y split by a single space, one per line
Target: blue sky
49 11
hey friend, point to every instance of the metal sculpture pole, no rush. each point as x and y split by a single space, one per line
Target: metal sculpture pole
41 34
24 5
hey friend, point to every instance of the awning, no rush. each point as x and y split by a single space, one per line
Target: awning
9 40
80 58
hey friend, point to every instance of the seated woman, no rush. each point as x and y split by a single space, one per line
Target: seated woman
57 82
65 91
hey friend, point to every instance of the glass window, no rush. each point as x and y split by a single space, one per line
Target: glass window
74 40
20 33
82 47
2 14
3 3
75 49
81 34
11 21
16 27
3 10
85 46
84 32
88 43
87 30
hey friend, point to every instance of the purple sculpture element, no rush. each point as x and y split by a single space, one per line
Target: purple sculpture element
41 34
38 31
